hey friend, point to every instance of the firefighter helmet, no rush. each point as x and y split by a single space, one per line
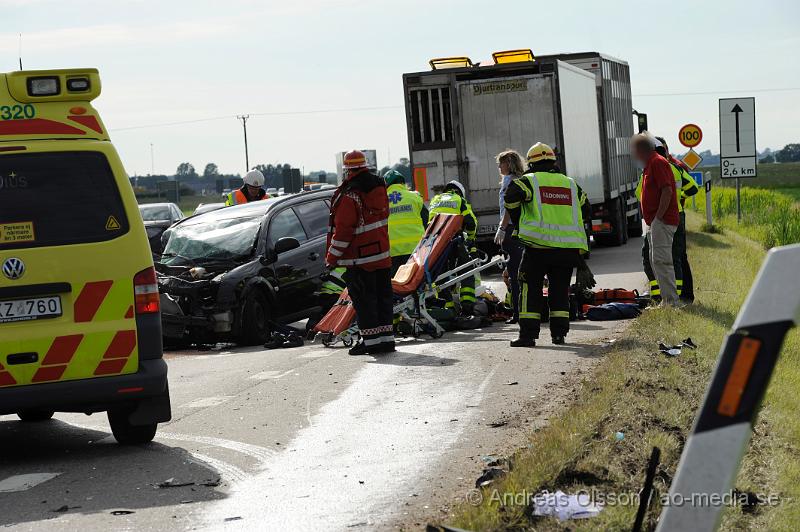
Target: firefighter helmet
353 160
541 152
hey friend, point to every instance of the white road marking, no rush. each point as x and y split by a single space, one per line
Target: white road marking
25 482
362 436
264 375
208 402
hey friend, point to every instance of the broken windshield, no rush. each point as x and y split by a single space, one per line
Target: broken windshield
213 239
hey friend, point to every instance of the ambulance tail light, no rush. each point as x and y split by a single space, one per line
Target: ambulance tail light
145 292
44 86
513 56
450 62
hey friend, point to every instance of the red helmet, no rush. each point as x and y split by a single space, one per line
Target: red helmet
354 160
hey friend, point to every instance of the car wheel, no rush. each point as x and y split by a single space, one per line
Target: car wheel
35 415
255 319
127 434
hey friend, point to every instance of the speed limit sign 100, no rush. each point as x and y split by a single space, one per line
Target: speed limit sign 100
690 135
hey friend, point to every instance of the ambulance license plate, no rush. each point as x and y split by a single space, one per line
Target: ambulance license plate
30 309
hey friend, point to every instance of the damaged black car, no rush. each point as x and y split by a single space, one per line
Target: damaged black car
229 275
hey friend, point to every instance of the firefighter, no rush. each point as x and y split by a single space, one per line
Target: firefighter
544 205
452 200
685 187
358 239
407 218
252 190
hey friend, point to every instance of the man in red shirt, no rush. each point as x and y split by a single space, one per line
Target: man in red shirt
660 212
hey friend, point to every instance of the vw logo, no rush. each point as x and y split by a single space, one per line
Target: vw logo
13 268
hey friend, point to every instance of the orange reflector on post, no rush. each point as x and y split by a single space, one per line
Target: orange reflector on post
450 62
513 56
737 379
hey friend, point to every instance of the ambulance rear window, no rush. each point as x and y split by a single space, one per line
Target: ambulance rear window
59 198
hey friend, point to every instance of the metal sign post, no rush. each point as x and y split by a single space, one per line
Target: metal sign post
704 481
709 221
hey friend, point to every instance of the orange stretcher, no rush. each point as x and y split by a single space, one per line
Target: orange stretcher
417 280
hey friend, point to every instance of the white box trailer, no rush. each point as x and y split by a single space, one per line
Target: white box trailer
460 118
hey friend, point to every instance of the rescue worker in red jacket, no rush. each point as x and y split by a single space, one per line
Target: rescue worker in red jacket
358 239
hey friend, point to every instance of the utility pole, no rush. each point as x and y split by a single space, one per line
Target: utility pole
152 161
244 118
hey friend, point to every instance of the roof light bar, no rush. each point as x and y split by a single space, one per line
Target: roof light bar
513 56
450 62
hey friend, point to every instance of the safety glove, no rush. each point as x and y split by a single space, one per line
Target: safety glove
584 277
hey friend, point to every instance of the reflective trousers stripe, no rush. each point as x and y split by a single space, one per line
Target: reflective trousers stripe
530 316
559 314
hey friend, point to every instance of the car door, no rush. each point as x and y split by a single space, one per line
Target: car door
291 267
314 217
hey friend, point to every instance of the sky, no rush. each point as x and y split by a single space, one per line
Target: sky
322 76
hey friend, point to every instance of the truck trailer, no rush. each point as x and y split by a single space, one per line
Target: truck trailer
460 115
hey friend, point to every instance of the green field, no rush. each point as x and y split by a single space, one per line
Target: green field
772 175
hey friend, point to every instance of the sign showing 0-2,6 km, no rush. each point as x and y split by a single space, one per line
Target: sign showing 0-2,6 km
737 137
690 135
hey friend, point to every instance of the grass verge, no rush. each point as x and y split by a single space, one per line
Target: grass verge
652 399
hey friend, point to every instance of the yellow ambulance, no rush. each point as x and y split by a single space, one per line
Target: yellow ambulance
80 326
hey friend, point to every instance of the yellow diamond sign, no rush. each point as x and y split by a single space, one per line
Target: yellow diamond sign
692 159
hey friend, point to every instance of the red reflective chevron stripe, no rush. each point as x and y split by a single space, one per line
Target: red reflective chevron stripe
5 377
62 350
88 121
49 373
108 367
121 345
129 314
89 300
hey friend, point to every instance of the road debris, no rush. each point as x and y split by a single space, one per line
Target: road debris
65 508
490 474
122 512
689 343
563 506
511 383
668 350
172 483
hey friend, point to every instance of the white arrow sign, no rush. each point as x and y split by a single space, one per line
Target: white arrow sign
737 137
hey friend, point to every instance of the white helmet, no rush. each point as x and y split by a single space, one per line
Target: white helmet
254 178
455 184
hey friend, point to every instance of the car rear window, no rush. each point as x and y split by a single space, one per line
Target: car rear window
59 198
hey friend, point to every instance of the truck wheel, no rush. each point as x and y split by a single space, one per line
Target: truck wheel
255 319
35 415
635 226
127 434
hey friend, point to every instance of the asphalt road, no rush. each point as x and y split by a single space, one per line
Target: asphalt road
306 438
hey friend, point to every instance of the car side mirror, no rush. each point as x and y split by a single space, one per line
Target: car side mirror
285 244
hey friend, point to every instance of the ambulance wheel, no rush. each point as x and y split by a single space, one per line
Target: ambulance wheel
35 415
127 434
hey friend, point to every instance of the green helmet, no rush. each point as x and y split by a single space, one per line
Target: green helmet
393 177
